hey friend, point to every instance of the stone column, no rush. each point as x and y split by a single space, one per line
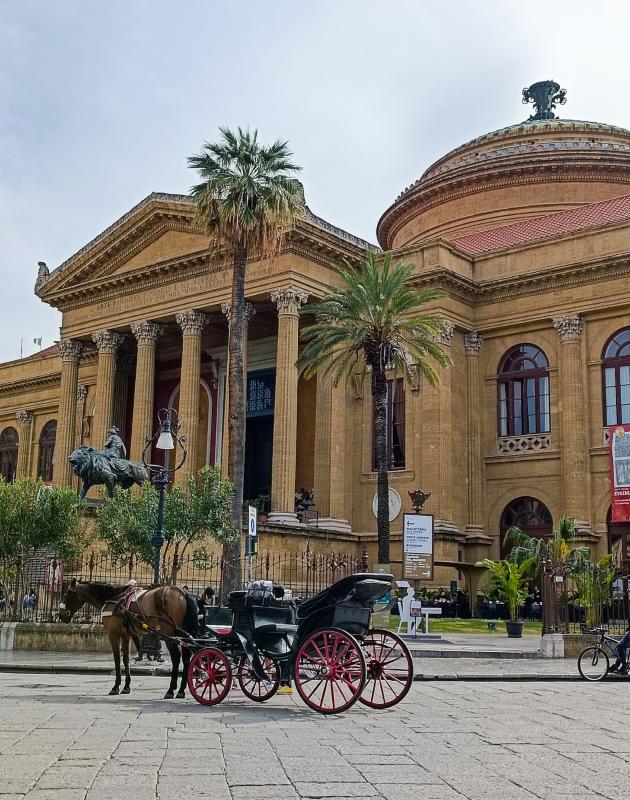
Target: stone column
249 313
437 436
78 426
66 419
107 343
25 419
192 324
124 363
330 453
574 449
143 424
475 513
288 301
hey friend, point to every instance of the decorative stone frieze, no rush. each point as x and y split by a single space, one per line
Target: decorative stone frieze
107 342
147 332
70 349
25 418
569 326
191 322
472 343
288 300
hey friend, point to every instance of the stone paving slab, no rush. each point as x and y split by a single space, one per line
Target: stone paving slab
463 740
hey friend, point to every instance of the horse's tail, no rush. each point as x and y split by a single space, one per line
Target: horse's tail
190 619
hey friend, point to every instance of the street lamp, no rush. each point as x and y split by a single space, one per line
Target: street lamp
165 438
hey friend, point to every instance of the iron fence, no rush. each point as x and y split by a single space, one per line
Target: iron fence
33 592
577 598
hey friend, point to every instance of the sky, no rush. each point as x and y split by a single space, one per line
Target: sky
101 103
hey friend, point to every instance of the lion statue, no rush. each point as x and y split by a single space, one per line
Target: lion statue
101 467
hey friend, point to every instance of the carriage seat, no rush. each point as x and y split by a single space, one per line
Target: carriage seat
276 627
364 588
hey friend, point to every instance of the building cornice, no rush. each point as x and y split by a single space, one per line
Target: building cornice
28 384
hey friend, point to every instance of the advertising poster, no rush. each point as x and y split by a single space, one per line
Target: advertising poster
620 472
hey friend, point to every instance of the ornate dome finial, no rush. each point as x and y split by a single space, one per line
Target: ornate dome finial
545 95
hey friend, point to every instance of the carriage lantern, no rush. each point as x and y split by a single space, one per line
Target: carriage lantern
165 438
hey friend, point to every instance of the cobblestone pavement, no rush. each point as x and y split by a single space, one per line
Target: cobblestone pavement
63 738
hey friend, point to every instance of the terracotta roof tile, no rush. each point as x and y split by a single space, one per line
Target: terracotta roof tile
49 351
531 230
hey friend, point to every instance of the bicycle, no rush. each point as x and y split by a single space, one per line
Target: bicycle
593 661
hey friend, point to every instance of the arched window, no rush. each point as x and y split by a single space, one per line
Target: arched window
524 392
47 451
8 453
617 379
528 514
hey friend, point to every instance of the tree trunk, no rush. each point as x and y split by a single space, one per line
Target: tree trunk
379 400
236 412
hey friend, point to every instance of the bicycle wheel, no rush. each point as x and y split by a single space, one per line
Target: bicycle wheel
209 676
251 686
389 669
593 664
330 671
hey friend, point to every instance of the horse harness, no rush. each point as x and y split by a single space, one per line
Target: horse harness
122 609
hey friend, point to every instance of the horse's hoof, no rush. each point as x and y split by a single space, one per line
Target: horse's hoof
115 690
126 690
169 695
181 694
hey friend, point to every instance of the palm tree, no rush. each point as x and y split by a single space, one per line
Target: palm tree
560 549
372 320
246 200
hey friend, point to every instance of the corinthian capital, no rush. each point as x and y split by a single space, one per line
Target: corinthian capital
107 342
250 310
472 343
288 300
569 326
70 349
24 418
147 332
446 337
191 322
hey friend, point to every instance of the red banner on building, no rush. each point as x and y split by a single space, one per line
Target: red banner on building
620 472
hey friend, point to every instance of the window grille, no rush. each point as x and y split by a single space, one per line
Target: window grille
261 393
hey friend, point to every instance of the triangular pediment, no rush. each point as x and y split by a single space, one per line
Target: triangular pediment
165 245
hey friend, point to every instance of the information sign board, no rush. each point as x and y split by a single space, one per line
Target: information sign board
418 546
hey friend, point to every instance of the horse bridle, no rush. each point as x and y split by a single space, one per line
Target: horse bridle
72 589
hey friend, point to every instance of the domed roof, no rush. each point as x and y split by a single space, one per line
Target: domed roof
522 171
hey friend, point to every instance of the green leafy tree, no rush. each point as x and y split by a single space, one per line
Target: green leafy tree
508 580
371 320
126 522
594 582
34 516
246 200
193 512
560 549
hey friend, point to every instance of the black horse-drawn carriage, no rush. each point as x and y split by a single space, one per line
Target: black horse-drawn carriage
327 649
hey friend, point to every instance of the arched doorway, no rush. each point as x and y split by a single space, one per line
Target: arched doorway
46 458
9 440
530 515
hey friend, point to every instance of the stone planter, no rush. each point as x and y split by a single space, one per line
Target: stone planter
514 629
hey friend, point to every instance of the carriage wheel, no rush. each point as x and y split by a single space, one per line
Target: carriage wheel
330 671
254 688
389 669
209 676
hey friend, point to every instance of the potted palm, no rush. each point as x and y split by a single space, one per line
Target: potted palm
509 580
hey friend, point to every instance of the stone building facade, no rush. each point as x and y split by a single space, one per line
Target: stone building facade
527 229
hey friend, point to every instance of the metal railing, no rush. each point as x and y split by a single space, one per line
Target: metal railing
33 592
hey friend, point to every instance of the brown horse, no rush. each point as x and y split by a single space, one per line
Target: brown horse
167 608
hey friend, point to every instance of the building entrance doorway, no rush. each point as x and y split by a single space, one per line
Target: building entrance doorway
261 395
528 514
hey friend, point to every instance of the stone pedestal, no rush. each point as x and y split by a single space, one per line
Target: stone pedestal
70 355
288 301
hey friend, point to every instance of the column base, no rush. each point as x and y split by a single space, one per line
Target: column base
333 524
474 530
283 518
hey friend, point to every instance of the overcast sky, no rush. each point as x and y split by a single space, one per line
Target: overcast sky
101 102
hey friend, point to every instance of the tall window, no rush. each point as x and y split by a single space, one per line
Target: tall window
617 379
530 515
395 426
47 451
8 454
524 392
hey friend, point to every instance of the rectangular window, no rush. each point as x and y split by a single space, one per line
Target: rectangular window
395 426
530 388
624 391
518 408
543 388
503 410
611 396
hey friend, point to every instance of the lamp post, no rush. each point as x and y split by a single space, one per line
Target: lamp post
165 439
